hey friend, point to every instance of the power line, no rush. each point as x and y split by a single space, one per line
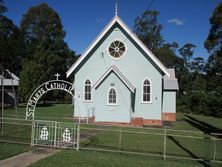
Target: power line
148 7
150 4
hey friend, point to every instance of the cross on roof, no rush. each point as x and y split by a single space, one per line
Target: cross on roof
57 76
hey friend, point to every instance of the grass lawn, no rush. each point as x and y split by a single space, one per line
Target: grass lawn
109 139
63 112
106 159
9 149
56 112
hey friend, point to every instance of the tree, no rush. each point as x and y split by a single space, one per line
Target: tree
46 51
10 43
214 46
148 30
166 54
3 9
213 67
213 42
198 64
187 52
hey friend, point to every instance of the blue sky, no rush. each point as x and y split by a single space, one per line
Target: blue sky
183 20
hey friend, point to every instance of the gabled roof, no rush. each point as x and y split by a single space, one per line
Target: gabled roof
116 19
119 75
9 79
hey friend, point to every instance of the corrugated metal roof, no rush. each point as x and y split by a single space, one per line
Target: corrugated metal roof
10 79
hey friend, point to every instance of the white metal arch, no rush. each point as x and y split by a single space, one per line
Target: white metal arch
44 88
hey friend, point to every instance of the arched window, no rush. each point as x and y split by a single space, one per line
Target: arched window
87 90
146 91
112 96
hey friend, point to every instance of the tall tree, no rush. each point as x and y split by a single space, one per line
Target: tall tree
214 45
10 43
166 54
46 50
3 8
187 52
198 64
148 29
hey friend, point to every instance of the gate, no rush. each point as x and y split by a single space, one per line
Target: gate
55 134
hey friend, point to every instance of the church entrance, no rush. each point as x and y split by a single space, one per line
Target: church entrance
52 133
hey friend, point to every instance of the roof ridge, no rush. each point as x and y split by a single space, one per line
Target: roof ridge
131 34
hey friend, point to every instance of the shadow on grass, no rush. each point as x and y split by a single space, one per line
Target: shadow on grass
203 126
188 151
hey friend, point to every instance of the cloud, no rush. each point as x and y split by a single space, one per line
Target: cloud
176 22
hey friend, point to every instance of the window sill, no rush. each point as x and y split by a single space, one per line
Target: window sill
112 104
146 102
87 101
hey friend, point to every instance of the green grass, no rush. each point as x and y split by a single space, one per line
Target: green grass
146 143
64 112
57 112
185 123
9 149
153 143
106 159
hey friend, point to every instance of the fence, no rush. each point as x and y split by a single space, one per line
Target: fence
16 131
161 142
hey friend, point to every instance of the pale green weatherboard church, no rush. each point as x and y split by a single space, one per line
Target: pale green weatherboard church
119 80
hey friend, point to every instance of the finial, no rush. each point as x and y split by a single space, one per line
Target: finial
116 9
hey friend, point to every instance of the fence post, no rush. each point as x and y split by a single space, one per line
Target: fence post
55 135
214 158
120 138
164 144
78 134
32 133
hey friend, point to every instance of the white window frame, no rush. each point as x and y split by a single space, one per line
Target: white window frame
150 101
84 90
107 49
112 104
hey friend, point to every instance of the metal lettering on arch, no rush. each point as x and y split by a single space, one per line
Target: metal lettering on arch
44 88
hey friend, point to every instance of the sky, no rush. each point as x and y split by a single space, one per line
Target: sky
184 21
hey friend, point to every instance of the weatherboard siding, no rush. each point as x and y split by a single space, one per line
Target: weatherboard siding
112 113
169 101
133 65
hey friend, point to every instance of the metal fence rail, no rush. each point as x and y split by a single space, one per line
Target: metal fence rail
162 142
159 142
16 131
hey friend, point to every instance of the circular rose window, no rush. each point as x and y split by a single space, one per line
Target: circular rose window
117 49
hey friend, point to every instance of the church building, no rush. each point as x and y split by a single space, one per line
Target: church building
119 80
